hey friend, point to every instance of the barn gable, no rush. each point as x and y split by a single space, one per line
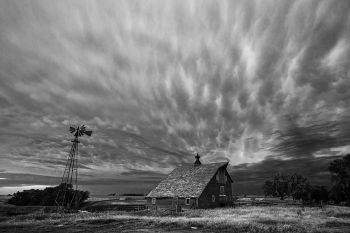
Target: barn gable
187 181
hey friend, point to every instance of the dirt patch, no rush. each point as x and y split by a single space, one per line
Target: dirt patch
337 224
97 221
275 222
342 215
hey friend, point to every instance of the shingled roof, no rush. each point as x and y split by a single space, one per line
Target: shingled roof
186 181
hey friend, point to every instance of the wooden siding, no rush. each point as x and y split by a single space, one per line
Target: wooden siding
171 202
213 188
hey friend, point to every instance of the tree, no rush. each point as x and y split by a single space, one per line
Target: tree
268 188
299 187
281 185
284 185
302 192
340 172
46 197
319 193
278 187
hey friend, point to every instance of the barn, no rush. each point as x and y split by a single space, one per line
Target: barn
194 186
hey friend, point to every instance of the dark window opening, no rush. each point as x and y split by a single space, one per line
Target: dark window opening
222 190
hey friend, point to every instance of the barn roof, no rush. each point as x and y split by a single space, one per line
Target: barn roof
186 181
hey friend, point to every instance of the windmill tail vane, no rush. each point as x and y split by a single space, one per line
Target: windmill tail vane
66 197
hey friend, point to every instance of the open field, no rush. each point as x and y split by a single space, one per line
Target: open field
240 219
94 204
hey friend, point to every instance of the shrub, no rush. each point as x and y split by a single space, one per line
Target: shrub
46 197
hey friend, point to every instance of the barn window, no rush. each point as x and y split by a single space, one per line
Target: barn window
217 177
222 190
225 177
213 198
187 201
153 201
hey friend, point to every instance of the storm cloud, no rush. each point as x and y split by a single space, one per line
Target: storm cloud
158 81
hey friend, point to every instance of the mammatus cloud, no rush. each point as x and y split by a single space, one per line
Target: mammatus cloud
158 81
310 140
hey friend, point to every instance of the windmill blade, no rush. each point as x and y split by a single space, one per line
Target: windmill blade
80 133
71 129
88 132
83 127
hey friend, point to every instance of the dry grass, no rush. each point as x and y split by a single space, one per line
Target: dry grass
241 219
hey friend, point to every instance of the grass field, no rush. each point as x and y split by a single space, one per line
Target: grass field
241 219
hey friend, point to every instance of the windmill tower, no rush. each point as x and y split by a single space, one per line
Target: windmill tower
67 197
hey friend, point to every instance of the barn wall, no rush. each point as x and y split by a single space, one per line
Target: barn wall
205 200
160 201
170 202
213 188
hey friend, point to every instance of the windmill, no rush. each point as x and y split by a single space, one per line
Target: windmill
65 198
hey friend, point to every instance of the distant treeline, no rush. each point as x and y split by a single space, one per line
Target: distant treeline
299 188
127 194
132 194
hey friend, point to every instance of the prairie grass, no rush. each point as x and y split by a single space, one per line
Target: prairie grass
240 219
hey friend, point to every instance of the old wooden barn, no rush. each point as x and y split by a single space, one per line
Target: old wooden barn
194 186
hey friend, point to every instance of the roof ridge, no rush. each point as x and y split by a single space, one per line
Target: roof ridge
191 164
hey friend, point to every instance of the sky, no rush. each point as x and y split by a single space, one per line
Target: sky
261 84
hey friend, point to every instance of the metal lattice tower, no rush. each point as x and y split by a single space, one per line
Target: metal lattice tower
67 195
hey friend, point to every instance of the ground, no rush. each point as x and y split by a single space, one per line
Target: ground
240 219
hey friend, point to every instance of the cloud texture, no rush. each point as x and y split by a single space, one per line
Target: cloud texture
157 81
